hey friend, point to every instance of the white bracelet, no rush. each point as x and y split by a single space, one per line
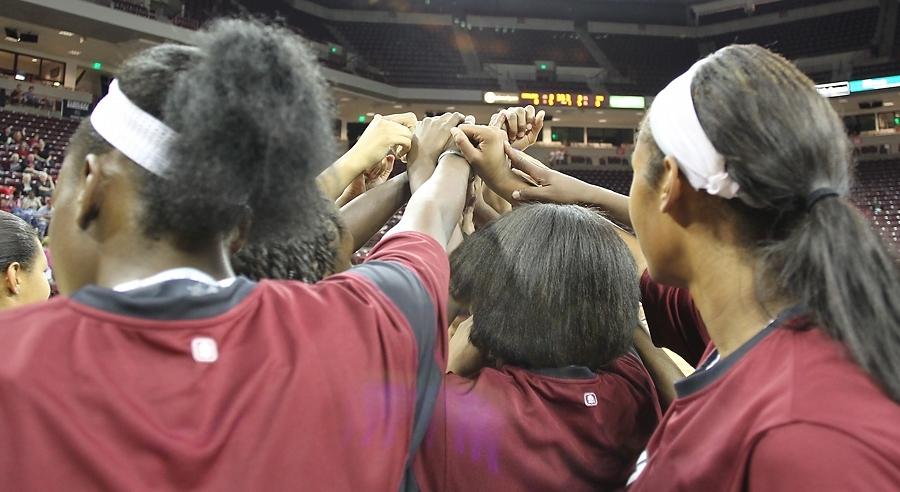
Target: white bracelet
450 152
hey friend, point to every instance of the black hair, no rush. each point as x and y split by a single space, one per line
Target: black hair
548 286
781 141
309 255
18 242
252 114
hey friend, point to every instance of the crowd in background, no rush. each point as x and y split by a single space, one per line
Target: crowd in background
503 335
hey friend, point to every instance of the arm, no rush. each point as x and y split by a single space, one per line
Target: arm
367 213
428 142
557 187
381 136
435 208
662 369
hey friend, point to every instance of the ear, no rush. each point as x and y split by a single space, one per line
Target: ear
671 185
91 193
12 277
238 237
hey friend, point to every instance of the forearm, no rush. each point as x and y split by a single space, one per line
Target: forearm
420 170
663 371
335 179
435 208
614 204
367 213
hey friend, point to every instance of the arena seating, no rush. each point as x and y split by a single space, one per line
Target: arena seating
55 132
649 61
524 47
426 57
836 33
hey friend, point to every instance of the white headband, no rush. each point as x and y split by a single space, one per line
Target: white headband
135 133
677 132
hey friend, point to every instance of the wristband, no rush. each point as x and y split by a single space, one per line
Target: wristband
450 152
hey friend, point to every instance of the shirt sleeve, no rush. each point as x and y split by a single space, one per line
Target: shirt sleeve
413 271
805 456
673 320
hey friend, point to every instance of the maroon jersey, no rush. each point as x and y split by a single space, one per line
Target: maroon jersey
188 386
513 429
789 410
673 320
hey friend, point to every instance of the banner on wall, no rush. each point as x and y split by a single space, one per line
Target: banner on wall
77 110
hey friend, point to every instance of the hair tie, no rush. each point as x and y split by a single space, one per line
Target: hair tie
819 194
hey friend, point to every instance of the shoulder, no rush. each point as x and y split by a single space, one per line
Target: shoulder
805 456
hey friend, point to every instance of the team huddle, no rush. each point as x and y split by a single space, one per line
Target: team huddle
212 335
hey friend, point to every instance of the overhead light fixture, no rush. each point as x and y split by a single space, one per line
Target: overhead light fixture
74 52
34 60
67 34
398 106
56 84
888 103
20 76
601 121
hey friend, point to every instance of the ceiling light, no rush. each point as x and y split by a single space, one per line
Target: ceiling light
74 52
601 121
451 108
56 84
888 103
20 76
34 60
67 34
398 106
345 99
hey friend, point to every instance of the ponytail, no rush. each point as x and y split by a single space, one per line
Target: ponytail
782 142
834 263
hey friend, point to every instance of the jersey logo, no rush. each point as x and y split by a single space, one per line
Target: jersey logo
204 350
590 399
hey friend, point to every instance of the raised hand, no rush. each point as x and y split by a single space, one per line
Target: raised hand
522 125
430 138
385 134
392 133
487 157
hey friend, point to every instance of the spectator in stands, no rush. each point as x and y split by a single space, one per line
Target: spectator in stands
141 255
30 98
43 216
23 264
44 186
41 152
30 164
5 204
22 150
799 296
7 136
15 163
27 179
543 359
17 96
17 138
34 140
31 202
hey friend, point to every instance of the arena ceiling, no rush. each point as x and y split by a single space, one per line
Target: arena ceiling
671 12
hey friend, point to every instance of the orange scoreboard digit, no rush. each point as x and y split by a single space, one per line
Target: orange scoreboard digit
569 99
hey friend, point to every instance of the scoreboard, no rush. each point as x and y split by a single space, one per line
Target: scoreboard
564 99
568 99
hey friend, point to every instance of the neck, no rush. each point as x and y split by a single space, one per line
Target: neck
724 290
116 267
